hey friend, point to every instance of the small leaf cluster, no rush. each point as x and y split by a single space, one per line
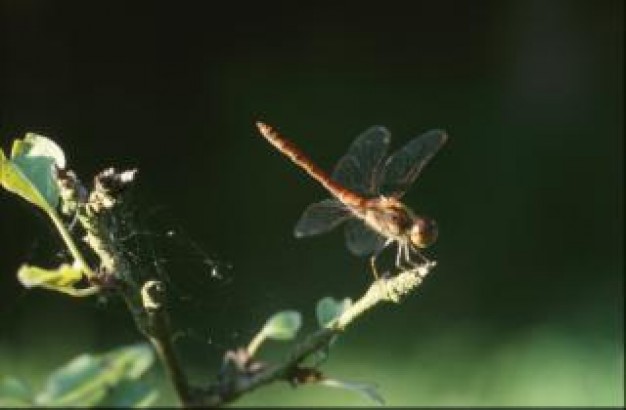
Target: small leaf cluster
30 173
111 379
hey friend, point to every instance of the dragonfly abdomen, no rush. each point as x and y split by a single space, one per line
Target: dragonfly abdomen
298 157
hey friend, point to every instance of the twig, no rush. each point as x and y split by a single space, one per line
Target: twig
383 290
97 215
149 308
159 333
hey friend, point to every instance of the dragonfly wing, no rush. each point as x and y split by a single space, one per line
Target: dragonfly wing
402 168
321 217
361 240
357 170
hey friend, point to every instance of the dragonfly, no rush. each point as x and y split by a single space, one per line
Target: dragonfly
367 186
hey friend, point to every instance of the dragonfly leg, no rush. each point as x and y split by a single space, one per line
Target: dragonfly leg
373 265
373 259
377 276
383 283
408 250
399 256
416 251
407 259
403 256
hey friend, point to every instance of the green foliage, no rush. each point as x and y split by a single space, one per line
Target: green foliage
282 325
368 390
14 393
62 279
328 309
29 172
110 379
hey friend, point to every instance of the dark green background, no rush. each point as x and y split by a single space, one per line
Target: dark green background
526 304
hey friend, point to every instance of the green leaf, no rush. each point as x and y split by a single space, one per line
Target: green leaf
30 171
111 379
38 146
134 361
328 310
62 279
283 325
131 393
368 390
81 381
14 393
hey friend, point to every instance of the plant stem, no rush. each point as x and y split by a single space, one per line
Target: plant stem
69 242
382 290
159 333
254 344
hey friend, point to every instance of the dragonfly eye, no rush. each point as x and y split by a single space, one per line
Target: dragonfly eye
424 232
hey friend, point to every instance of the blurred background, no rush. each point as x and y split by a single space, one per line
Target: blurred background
525 306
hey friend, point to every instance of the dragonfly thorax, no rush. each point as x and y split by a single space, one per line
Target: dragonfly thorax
392 219
389 217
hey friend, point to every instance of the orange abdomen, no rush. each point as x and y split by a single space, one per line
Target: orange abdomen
299 158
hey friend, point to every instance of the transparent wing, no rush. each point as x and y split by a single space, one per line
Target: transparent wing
321 217
358 169
361 240
402 168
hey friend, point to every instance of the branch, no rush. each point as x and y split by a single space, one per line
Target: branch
241 372
97 214
159 333
245 380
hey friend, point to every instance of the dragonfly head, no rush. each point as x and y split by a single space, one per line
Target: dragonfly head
423 232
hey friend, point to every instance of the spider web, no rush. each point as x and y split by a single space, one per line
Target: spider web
200 285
